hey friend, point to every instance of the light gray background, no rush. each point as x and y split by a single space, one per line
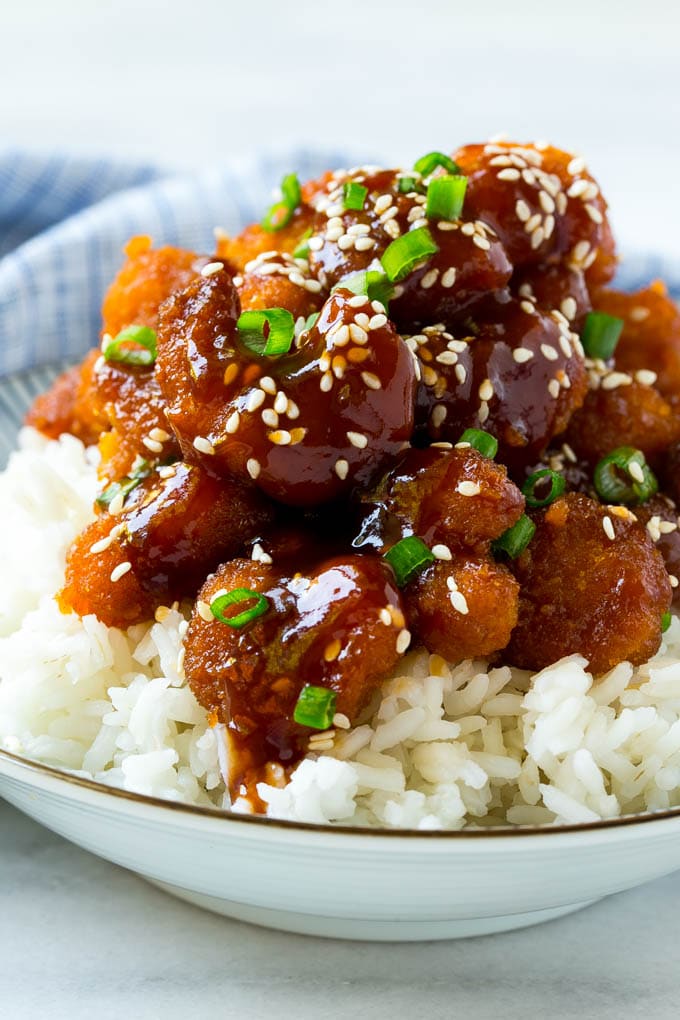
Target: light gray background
183 84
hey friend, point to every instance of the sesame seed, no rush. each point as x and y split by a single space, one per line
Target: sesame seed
340 721
594 213
481 242
102 544
646 377
569 453
364 244
511 174
459 602
153 445
385 617
460 373
639 313
297 279
429 279
554 388
341 468
378 307
253 468
527 307
332 650
608 528
270 418
667 527
203 610
120 571
377 321
635 471
522 210
537 238
358 439
486 390
160 435
358 333
549 352
577 188
389 214
483 412
297 435
468 229
447 358
357 229
256 399
382 203
576 166
315 243
320 745
339 336
211 268
613 380
468 488
439 413
392 228
674 581
280 438
268 384
441 552
259 555
326 384
448 278
568 308
403 641
357 301
233 422
281 403
204 445
532 223
371 381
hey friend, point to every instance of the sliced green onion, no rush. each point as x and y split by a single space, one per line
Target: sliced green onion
407 184
426 164
445 197
267 331
407 558
280 214
235 598
601 334
354 195
124 485
536 483
408 251
666 622
370 282
514 541
624 476
480 440
315 707
134 345
312 320
302 250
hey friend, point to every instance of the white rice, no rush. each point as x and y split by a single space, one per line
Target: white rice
442 746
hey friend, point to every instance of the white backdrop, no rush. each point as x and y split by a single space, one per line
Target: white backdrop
186 83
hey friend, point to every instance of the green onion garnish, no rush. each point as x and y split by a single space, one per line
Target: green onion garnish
514 541
354 195
482 441
407 558
370 282
134 345
235 598
311 321
666 622
124 485
445 196
315 707
624 476
302 250
280 214
407 184
267 330
536 484
601 334
426 164
408 251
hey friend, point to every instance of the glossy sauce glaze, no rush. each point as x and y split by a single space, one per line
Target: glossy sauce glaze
292 484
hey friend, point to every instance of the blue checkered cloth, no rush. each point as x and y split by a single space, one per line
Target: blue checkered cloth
64 221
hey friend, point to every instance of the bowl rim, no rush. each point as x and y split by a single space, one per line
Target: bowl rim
268 824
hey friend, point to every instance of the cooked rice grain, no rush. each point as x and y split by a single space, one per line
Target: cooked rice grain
442 746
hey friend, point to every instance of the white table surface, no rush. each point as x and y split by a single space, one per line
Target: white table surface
183 85
80 938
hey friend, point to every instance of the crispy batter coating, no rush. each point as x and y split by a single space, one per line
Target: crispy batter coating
463 609
543 205
519 375
305 426
324 627
172 530
582 591
651 333
660 517
255 241
451 497
58 410
632 415
277 280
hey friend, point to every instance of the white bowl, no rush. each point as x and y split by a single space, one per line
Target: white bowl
349 883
